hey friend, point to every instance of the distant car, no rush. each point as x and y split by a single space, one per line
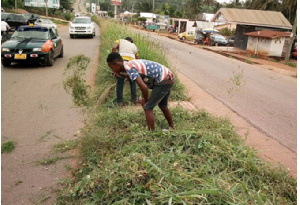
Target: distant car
16 20
189 35
32 44
4 15
45 22
82 26
231 40
218 39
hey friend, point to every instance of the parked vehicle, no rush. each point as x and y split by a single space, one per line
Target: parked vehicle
82 26
152 27
45 22
16 20
218 39
4 15
32 44
294 51
189 35
31 18
199 37
231 40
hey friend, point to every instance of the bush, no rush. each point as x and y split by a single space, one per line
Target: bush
67 16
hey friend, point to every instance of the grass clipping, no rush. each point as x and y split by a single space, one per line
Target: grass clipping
203 161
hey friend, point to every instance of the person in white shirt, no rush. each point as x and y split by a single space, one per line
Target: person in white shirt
4 28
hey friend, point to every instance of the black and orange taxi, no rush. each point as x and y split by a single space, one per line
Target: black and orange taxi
32 44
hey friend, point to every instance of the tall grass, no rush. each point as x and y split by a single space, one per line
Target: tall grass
203 161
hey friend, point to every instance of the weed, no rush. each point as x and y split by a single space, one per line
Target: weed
7 147
51 160
75 82
248 60
45 135
237 81
18 182
292 64
65 146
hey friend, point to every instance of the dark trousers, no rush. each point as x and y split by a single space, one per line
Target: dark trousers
119 90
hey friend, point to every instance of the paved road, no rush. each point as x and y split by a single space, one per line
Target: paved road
37 113
266 99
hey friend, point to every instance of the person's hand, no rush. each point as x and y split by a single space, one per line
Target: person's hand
142 101
116 75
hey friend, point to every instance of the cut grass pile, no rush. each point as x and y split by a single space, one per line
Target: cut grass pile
203 161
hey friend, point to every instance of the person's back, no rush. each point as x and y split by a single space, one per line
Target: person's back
127 48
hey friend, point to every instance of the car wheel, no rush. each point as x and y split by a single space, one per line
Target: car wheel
71 36
50 59
6 63
94 34
183 38
61 52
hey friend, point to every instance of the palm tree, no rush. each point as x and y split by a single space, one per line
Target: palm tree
144 5
273 5
193 8
291 5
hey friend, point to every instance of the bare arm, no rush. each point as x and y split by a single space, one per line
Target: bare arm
143 87
115 47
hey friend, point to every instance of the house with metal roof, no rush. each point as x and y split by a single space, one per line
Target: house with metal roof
247 20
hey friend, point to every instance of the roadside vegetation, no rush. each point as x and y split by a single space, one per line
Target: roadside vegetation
203 161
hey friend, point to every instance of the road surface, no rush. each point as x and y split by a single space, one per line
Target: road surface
266 99
36 114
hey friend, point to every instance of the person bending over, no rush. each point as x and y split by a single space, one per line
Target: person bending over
147 74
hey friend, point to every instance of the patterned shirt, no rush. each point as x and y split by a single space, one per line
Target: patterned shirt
150 69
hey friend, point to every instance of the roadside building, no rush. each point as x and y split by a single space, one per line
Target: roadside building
268 43
247 20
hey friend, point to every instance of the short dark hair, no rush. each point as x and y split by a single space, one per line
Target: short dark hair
113 57
129 39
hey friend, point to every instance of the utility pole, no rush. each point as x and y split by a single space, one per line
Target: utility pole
46 4
16 1
153 5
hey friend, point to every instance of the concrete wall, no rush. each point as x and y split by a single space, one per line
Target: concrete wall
266 46
258 46
277 47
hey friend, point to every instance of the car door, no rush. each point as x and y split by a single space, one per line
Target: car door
57 42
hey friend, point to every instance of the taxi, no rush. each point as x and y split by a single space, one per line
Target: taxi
32 44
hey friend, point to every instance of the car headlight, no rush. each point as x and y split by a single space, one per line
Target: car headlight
89 27
71 27
36 49
5 50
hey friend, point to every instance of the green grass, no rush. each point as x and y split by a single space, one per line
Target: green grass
292 64
7 147
203 161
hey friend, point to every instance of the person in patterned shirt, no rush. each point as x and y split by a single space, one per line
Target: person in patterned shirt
147 74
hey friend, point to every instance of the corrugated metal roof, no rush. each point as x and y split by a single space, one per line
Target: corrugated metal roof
268 34
252 17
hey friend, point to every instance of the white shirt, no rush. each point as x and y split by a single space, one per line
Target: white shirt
127 48
4 26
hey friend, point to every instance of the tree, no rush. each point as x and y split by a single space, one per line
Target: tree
289 7
144 6
287 54
193 8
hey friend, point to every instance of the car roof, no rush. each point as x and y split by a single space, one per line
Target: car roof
38 27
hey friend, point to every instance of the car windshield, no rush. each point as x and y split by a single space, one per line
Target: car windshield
46 21
82 20
30 32
219 37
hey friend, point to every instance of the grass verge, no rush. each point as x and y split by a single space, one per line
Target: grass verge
203 161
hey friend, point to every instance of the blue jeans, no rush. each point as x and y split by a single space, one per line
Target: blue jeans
119 90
